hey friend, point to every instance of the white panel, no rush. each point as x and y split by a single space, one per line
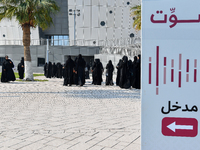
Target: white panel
71 2
71 33
119 2
87 16
79 35
134 2
14 23
8 22
87 34
9 33
110 33
94 34
3 23
79 2
103 2
125 33
4 31
118 17
95 14
79 19
110 19
87 2
111 2
126 17
117 33
102 33
103 15
71 20
95 2
16 31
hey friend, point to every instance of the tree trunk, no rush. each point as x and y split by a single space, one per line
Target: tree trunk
27 53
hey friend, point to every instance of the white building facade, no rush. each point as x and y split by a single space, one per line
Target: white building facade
101 20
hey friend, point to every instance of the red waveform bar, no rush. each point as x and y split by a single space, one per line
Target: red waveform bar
187 69
157 66
195 63
172 71
165 61
165 70
179 82
172 75
172 63
195 75
195 70
180 59
179 76
149 70
187 77
157 91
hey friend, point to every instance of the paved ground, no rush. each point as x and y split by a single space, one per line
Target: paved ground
48 116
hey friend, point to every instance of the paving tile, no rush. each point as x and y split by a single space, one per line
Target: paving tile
48 116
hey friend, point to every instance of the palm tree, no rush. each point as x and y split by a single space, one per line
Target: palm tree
29 13
136 13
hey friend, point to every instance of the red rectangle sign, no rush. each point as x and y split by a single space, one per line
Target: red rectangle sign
184 127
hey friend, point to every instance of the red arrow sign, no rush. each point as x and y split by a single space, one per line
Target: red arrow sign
185 127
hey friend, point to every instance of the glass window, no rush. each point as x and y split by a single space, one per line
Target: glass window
41 62
61 40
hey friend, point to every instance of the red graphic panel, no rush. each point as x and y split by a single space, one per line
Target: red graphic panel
180 127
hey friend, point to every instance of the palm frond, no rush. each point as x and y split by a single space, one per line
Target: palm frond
136 13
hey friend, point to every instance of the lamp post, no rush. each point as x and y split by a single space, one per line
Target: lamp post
75 12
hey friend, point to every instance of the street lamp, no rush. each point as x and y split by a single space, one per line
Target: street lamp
75 12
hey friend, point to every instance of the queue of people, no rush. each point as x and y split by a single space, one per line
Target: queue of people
77 71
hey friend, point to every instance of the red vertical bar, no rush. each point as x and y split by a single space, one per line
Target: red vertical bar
157 66
187 77
165 75
187 65
149 73
172 75
172 63
195 75
157 92
179 83
195 63
180 59
165 61
195 70
172 71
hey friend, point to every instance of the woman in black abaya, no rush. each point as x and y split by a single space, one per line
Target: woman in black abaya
7 71
80 70
109 73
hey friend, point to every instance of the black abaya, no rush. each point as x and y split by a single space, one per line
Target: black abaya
109 73
7 71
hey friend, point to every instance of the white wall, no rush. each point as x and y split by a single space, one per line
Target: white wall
118 24
13 32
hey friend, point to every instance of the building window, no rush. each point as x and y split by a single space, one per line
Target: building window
58 40
1 60
41 62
